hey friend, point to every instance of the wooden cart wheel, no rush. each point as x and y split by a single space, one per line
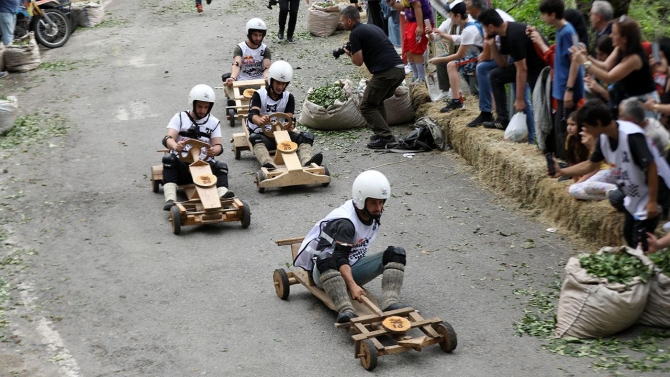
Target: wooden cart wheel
231 118
246 215
368 354
260 177
155 185
450 341
282 286
281 120
176 219
325 172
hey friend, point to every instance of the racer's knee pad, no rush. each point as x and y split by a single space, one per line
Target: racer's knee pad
170 161
255 138
325 262
305 137
394 254
219 167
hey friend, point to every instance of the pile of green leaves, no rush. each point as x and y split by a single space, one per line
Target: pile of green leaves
326 95
661 259
325 4
33 129
616 268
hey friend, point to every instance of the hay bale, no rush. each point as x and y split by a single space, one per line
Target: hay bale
518 171
419 95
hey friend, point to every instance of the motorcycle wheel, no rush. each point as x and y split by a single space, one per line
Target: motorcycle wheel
52 36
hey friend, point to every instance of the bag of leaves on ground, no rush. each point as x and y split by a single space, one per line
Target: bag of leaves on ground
657 311
8 108
603 293
399 109
426 136
323 18
331 108
90 14
23 54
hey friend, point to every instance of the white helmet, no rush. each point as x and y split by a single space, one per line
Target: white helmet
370 184
256 24
203 93
281 71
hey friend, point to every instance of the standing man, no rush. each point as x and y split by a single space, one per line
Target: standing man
368 44
8 9
288 8
335 250
637 166
195 123
525 70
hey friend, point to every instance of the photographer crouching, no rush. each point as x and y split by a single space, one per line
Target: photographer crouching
368 44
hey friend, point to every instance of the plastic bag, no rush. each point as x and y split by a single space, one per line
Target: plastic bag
433 85
516 130
8 110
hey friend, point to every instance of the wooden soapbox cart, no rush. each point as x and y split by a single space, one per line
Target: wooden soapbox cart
243 90
203 205
289 171
401 330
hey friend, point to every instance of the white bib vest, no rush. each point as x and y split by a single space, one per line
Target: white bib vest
252 62
209 125
364 236
629 177
270 106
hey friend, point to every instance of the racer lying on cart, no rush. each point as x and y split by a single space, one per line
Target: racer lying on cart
274 98
251 58
197 123
336 248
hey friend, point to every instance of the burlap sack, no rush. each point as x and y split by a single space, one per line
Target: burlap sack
2 57
320 22
8 109
89 15
591 307
340 116
22 58
657 311
399 109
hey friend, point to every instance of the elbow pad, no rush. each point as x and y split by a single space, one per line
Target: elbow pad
165 139
341 255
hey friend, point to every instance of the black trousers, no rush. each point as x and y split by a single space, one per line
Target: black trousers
290 8
177 172
506 75
375 15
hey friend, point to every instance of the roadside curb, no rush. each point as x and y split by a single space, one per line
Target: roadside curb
518 171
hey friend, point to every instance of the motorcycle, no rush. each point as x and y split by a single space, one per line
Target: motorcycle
52 21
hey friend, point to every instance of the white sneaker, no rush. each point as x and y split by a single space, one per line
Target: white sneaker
666 227
442 96
408 69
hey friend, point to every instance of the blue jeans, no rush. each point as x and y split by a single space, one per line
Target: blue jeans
364 271
7 24
483 69
394 32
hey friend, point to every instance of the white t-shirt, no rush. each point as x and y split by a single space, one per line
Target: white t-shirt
472 36
208 125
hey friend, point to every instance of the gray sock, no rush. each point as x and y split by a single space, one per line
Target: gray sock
421 71
392 278
336 288
415 72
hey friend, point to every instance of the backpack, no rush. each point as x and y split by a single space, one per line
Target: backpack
426 136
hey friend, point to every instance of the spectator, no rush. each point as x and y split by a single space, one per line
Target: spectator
392 17
525 70
568 83
628 65
631 110
593 87
198 4
485 65
288 8
601 16
597 185
464 60
8 10
575 151
375 15
435 35
637 163
415 41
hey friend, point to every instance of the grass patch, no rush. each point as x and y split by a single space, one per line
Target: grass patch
59 65
33 129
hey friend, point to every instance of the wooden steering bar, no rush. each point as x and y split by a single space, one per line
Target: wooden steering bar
278 122
193 153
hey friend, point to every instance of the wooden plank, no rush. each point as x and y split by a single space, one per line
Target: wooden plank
384 332
428 330
316 291
293 178
374 308
295 249
291 160
374 317
289 241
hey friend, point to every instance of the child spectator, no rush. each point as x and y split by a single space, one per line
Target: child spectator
415 40
595 88
575 151
596 185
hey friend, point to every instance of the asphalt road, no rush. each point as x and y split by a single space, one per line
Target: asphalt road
102 287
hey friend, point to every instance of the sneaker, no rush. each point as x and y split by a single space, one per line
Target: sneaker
408 69
454 104
269 166
290 40
496 124
4 74
345 316
381 142
416 82
316 159
395 306
228 194
199 7
481 118
280 35
168 204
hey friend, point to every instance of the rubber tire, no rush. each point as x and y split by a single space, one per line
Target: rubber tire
282 286
450 341
238 152
260 177
175 214
246 215
369 361
325 172
155 185
60 19
231 117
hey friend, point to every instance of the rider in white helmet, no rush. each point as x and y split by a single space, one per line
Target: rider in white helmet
335 251
274 98
195 123
251 58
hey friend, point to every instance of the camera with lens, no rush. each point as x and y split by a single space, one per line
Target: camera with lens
340 51
271 3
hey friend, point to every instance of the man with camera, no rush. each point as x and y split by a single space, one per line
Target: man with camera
368 44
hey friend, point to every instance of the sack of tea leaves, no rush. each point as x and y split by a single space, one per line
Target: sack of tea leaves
322 19
90 14
8 109
603 293
23 54
331 107
657 311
